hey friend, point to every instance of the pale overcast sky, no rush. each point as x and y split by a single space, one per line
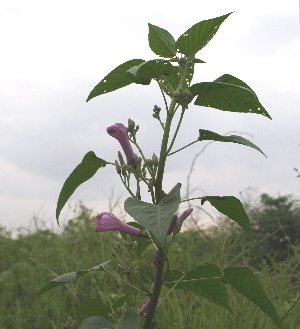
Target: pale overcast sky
54 52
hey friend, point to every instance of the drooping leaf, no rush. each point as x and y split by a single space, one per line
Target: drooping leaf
227 97
212 136
116 79
83 172
92 307
131 319
231 207
97 322
145 72
198 36
155 217
205 280
142 244
68 278
244 281
161 41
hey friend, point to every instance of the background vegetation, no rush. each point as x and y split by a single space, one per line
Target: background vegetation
34 258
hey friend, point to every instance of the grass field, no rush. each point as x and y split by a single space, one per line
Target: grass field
33 259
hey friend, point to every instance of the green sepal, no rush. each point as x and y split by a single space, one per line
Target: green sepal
145 72
205 280
231 207
212 136
161 42
228 97
155 217
83 172
68 278
244 281
198 36
116 79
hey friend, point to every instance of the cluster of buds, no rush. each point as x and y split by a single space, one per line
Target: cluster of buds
183 97
132 127
156 112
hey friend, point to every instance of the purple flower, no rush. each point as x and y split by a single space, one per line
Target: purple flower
107 222
119 131
184 216
178 220
145 307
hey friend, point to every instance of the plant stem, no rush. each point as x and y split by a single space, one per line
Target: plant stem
156 288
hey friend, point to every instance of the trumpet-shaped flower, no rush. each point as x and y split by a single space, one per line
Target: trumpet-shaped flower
145 307
119 131
107 222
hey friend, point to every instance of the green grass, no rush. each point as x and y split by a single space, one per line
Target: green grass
31 260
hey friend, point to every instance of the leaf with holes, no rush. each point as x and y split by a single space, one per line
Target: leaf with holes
145 72
155 217
198 36
206 280
227 97
161 41
116 79
68 278
170 83
212 136
83 172
244 281
231 207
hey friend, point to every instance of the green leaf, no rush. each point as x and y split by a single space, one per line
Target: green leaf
206 280
83 172
131 319
170 83
68 278
161 41
145 72
116 79
92 307
142 244
231 207
155 218
230 79
198 36
244 281
97 322
212 136
227 97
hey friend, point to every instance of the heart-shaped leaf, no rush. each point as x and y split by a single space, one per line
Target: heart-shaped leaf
155 217
198 36
231 207
212 136
116 79
83 172
131 319
244 281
